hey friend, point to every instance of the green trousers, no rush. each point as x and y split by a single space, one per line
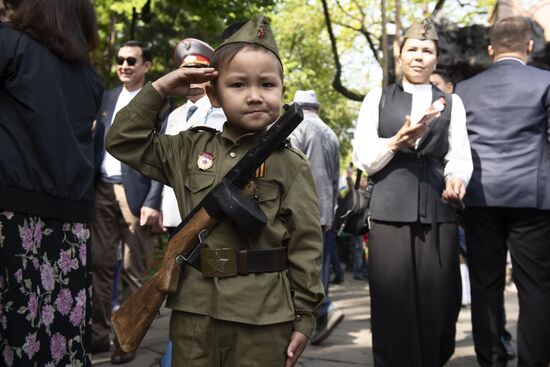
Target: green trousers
202 341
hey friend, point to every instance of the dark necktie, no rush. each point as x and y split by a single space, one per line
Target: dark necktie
190 112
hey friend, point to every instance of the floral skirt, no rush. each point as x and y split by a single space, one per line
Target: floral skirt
45 291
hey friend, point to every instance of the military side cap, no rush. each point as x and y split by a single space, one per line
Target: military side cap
192 52
423 30
256 31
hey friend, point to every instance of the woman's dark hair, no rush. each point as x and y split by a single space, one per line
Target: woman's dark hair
66 27
224 55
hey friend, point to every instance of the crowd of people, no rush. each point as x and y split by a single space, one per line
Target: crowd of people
91 176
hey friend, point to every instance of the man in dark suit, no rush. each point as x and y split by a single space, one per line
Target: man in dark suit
126 205
508 198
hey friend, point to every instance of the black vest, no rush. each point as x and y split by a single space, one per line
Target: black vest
409 187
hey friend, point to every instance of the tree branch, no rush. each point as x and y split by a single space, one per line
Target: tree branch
372 46
337 82
437 8
345 11
360 8
343 25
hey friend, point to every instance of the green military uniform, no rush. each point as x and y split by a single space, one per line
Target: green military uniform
285 193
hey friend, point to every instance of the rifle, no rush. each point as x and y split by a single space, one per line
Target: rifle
134 317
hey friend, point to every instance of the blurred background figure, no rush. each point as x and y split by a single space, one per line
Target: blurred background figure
508 199
320 144
127 206
49 96
3 12
441 80
196 112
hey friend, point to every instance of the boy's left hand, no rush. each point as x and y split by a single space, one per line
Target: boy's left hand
177 82
298 343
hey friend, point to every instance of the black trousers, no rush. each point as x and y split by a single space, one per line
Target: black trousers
526 233
415 293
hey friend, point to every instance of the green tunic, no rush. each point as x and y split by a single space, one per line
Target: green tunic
286 194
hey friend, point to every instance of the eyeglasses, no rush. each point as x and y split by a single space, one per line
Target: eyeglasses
130 60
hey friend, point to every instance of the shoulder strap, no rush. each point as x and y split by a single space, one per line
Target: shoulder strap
203 128
358 179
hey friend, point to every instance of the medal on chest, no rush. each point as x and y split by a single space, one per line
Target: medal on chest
205 161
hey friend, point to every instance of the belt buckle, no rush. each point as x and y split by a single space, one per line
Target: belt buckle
219 263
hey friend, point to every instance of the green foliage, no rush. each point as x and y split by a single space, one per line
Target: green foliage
305 51
301 34
161 24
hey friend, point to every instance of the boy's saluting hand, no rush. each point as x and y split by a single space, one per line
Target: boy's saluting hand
177 82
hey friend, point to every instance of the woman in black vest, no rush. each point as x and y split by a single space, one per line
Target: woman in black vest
420 172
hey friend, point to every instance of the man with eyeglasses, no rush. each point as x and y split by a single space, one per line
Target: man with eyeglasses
127 205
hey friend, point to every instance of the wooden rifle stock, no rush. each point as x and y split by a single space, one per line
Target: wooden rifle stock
134 317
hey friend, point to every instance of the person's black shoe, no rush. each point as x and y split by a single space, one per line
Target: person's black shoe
326 325
119 356
360 277
337 280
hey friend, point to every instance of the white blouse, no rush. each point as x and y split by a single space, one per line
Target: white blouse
371 152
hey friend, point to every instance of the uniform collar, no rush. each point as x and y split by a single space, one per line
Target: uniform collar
247 138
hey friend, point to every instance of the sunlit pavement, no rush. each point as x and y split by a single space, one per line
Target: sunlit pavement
349 345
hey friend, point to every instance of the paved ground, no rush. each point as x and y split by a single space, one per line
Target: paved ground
348 346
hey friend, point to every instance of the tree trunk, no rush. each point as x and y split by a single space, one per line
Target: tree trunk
397 40
384 44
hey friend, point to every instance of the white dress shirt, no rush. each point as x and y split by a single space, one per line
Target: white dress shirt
205 115
371 152
110 167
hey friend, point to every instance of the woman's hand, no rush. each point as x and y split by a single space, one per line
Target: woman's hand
407 136
178 82
298 343
454 189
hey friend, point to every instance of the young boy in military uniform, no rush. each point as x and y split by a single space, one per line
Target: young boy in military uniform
256 319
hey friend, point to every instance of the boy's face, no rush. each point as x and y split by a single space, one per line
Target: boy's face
250 91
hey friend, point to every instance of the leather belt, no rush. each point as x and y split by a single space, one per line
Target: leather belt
229 262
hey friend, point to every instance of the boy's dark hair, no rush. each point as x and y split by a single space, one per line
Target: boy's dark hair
146 53
67 28
444 75
224 55
511 34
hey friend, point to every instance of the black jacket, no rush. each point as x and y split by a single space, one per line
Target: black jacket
47 107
